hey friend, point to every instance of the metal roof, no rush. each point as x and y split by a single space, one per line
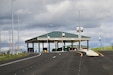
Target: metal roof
57 35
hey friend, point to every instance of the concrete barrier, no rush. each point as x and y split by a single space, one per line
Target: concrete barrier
90 52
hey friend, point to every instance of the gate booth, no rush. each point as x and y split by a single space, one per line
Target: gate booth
45 50
31 50
56 38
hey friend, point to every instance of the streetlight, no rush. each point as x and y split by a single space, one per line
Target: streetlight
63 35
12 25
79 29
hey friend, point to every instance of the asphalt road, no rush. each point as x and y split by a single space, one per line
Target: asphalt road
67 63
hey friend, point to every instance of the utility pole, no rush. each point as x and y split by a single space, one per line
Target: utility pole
79 30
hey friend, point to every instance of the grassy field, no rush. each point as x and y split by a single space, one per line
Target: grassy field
107 48
9 56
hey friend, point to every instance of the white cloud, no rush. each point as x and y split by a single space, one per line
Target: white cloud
23 11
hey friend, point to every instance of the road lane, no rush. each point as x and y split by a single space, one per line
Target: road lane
92 66
66 63
108 61
108 54
23 65
98 65
61 65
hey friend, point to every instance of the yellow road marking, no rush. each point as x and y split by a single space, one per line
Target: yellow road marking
81 54
100 54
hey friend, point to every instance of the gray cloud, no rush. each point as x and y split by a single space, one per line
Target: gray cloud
62 14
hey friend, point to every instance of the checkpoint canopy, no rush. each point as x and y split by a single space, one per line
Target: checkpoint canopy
56 36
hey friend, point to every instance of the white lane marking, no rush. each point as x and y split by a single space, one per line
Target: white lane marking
80 63
31 67
59 53
27 69
19 60
22 70
15 74
54 57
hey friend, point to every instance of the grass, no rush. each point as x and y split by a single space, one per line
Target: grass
9 56
107 48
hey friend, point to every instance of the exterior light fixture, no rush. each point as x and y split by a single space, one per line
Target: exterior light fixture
63 34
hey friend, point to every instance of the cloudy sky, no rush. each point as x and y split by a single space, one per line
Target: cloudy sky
38 17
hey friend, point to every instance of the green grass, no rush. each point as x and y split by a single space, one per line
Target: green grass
107 48
9 56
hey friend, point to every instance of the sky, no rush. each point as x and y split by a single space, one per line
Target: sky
36 17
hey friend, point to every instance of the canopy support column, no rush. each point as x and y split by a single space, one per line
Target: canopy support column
79 45
87 44
39 47
33 47
28 47
56 46
64 45
49 45
43 45
72 45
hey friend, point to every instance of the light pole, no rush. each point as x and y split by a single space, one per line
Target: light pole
18 33
48 37
12 25
63 35
79 29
